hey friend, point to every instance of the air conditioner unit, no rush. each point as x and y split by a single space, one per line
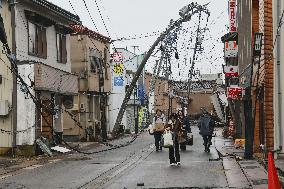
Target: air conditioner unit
4 107
74 108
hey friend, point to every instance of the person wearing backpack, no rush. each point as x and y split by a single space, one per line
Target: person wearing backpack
206 126
158 128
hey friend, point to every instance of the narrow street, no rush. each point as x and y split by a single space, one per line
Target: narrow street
134 166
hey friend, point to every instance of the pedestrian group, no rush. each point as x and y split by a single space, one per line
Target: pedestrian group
175 133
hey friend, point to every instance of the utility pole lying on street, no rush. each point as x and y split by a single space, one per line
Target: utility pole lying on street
186 14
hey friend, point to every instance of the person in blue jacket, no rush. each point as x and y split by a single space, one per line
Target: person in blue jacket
184 119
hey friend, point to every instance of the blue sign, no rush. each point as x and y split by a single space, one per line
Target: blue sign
118 81
142 94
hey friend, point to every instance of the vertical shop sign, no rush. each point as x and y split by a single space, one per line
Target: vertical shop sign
257 44
232 15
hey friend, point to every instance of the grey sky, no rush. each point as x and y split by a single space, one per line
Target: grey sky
126 18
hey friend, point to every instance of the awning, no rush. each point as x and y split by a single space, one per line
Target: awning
48 78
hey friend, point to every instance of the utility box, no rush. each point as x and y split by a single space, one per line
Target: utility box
4 107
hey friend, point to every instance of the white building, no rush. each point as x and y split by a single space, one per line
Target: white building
278 96
42 51
123 68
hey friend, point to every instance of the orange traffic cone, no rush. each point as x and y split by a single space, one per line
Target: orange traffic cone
273 180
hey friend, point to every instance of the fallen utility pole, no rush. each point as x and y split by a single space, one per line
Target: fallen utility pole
186 14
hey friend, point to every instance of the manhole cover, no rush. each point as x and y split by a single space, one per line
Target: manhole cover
251 167
260 181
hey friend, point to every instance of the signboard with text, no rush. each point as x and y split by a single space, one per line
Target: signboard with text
231 71
257 44
231 49
117 57
235 92
118 81
233 15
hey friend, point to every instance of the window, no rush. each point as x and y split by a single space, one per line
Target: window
61 48
37 40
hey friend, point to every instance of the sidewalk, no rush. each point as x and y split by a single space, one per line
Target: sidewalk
240 173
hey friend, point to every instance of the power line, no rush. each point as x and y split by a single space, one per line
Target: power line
102 18
90 15
72 6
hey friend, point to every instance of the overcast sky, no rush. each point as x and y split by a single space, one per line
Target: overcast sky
132 18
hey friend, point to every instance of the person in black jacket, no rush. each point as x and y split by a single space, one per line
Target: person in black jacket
184 120
206 126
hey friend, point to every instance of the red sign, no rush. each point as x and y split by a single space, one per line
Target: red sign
117 57
235 92
231 71
232 16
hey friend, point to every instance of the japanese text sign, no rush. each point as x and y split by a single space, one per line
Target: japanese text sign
118 81
232 15
231 49
117 57
257 44
231 71
235 92
118 68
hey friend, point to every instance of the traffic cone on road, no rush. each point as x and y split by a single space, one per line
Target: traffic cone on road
273 180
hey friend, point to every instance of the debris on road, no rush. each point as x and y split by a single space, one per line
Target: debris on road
60 149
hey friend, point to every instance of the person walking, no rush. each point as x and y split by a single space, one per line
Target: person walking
206 126
175 127
158 128
184 120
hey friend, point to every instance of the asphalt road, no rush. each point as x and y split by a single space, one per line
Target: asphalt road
128 167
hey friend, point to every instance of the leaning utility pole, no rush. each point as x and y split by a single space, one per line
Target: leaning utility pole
190 73
186 13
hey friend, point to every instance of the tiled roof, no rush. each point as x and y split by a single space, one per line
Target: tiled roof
58 10
195 85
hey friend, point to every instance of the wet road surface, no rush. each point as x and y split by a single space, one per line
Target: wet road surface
134 166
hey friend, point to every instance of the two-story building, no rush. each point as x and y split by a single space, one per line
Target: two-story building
90 60
6 85
42 50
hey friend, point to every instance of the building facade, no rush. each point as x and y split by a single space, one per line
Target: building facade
6 86
90 59
42 50
278 36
